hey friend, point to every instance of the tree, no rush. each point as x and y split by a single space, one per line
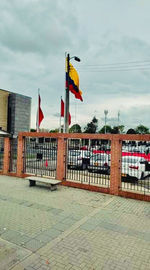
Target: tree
108 129
56 130
142 129
131 131
115 130
32 130
121 128
75 129
92 126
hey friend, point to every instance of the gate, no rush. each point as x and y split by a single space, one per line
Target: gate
136 166
40 156
1 152
89 161
13 155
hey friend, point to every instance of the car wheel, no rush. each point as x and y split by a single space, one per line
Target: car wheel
108 171
142 175
83 166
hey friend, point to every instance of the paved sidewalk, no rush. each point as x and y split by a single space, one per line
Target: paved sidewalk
70 229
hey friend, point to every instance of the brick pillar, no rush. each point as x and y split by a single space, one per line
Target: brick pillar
61 153
20 152
6 159
115 172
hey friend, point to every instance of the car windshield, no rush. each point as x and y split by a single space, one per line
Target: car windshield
131 160
75 153
99 157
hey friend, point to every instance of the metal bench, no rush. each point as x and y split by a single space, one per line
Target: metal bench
51 183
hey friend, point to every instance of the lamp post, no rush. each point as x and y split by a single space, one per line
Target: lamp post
105 112
66 118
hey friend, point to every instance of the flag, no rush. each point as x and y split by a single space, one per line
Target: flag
73 82
62 111
62 108
40 114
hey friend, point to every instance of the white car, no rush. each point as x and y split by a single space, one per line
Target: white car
134 167
78 159
99 162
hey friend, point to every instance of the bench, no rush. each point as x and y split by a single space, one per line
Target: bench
52 183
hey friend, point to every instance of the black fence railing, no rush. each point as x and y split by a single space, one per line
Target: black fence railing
13 155
88 161
136 166
40 156
1 152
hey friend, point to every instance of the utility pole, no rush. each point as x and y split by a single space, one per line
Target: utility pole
105 112
118 120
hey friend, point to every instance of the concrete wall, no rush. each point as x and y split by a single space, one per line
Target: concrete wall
3 109
19 113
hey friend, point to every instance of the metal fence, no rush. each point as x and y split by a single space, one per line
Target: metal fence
88 161
136 166
40 156
1 152
13 155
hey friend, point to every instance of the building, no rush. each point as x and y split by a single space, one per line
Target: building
15 112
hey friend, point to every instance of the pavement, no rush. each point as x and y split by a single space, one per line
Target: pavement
70 229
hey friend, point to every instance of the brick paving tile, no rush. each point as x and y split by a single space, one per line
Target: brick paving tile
71 229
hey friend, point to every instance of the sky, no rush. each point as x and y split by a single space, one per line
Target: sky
110 37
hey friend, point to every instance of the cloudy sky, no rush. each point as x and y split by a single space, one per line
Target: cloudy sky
111 37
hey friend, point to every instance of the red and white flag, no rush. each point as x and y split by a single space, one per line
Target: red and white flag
40 114
62 111
62 108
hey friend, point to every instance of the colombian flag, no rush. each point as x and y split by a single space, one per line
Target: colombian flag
73 82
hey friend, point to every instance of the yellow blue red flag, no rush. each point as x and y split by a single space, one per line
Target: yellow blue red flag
73 82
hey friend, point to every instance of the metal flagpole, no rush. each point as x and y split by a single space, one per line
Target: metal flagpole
60 116
38 129
66 118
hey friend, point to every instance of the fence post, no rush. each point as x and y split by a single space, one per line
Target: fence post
115 172
61 152
20 161
6 160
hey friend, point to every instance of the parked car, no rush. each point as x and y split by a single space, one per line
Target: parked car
78 159
135 166
99 163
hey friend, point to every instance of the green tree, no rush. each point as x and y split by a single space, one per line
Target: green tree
121 128
142 129
108 129
75 129
56 130
115 130
131 131
92 126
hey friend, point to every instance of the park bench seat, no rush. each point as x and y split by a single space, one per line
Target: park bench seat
51 183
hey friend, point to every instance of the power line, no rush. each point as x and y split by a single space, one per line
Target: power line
117 63
118 70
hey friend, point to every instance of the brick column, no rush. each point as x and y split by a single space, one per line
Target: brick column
20 155
6 159
61 154
115 172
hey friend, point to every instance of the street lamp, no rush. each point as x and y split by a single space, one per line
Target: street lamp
105 112
66 118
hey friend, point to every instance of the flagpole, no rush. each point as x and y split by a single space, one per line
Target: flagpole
66 118
38 129
60 116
